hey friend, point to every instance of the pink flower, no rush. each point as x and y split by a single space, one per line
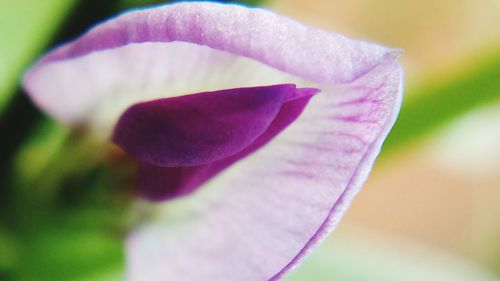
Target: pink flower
259 128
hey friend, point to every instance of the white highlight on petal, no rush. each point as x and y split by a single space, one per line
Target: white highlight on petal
98 87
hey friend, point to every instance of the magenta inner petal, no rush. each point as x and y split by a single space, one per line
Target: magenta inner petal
200 128
182 142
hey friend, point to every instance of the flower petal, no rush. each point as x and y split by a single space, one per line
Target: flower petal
288 45
180 177
187 48
199 129
260 216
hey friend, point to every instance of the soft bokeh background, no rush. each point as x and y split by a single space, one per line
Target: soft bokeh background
429 211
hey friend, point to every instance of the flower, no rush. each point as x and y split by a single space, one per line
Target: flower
220 106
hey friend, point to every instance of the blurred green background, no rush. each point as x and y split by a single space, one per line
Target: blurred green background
430 210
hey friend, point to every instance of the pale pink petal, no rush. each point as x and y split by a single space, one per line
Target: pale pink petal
76 81
256 33
262 215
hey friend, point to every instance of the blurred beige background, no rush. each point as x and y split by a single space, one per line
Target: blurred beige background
436 35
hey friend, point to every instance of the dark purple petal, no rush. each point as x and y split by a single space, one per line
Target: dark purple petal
199 129
172 176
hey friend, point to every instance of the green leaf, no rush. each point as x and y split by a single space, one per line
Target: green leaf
68 247
26 27
8 249
79 237
436 103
